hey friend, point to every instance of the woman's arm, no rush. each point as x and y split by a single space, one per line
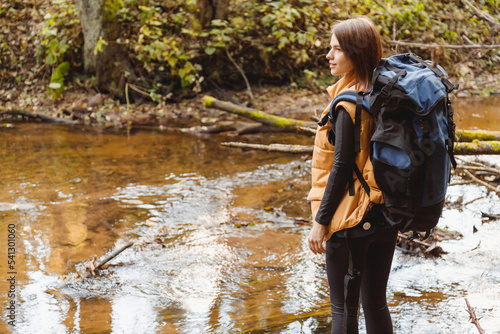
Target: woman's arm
343 162
339 175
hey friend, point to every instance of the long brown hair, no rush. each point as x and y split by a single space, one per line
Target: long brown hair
359 39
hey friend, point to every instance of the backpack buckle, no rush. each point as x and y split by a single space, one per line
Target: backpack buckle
449 86
385 91
324 120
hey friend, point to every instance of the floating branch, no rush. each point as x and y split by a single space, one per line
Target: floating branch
490 215
481 169
481 182
460 148
473 318
273 147
306 130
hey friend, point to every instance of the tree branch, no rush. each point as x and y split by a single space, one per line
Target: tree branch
482 15
473 318
481 182
92 267
446 46
249 89
483 169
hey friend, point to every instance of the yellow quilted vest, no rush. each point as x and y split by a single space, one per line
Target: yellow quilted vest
351 208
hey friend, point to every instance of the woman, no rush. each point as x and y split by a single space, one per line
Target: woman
359 248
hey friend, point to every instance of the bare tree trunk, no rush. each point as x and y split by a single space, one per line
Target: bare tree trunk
221 7
91 20
206 12
99 21
212 9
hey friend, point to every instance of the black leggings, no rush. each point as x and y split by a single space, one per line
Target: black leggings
376 252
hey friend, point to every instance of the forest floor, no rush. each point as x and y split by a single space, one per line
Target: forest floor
87 106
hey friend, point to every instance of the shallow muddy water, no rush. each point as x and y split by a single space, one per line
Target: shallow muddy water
220 240
477 113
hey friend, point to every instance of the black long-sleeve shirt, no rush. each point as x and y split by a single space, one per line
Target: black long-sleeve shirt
343 162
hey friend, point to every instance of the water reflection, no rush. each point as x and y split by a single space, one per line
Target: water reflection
217 247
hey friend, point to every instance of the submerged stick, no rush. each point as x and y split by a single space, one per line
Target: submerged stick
114 254
273 147
480 169
490 215
481 182
473 318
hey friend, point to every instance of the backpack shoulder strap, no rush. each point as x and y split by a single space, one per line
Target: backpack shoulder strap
347 96
362 102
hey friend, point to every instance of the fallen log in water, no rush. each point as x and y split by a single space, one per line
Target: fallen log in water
471 135
257 115
310 127
473 148
272 148
477 147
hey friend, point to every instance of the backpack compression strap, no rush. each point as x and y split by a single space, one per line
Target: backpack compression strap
449 88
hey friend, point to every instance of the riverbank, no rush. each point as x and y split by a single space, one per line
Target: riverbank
88 107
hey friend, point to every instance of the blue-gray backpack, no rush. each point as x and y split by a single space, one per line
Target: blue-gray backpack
412 147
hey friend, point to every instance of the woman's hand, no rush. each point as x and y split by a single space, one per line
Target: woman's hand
316 237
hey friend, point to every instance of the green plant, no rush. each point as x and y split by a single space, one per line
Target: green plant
278 41
59 32
56 86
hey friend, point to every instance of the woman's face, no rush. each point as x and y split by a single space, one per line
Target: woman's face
339 64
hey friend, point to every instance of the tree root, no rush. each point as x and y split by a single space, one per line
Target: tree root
37 116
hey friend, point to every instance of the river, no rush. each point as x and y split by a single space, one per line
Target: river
220 239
